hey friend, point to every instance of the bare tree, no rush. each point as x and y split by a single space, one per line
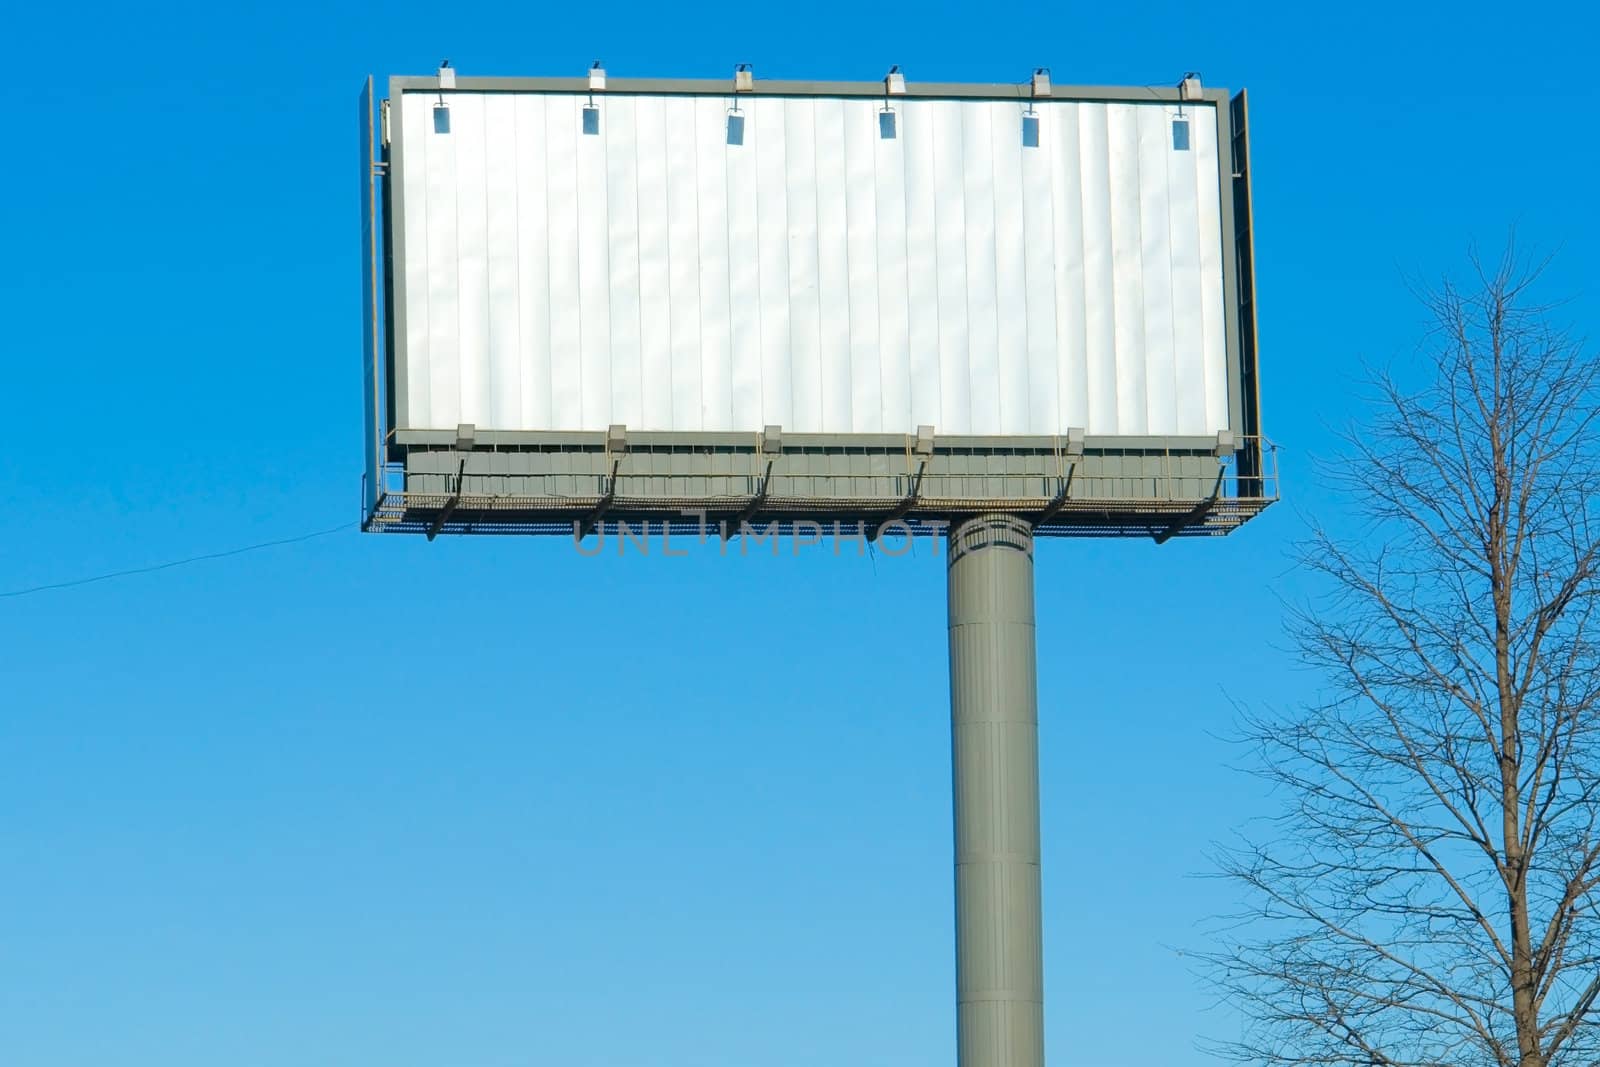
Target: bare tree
1428 894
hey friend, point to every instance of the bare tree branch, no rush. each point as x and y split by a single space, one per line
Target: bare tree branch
1428 894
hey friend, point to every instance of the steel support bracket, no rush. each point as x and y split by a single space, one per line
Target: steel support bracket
590 521
902 509
1059 501
753 505
1199 512
450 505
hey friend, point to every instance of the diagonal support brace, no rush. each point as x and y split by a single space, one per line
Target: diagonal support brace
1199 512
590 521
753 505
902 509
450 505
1053 508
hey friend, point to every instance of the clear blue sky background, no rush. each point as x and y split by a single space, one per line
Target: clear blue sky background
482 803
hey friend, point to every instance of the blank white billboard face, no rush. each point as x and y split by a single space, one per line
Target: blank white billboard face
565 262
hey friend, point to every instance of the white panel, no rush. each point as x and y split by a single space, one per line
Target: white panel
595 271
1127 268
622 249
655 268
442 283
950 260
561 132
772 255
922 271
861 229
716 283
1155 222
833 264
1188 314
534 241
1039 281
744 274
983 315
805 304
1214 357
1099 282
683 254
413 182
472 258
1010 268
894 309
815 274
504 304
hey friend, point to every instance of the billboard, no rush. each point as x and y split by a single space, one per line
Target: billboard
606 270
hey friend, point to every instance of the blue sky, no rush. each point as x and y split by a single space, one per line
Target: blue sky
483 803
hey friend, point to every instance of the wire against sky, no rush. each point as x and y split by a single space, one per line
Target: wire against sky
176 562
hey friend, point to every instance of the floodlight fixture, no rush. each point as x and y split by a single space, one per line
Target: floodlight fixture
1180 134
441 110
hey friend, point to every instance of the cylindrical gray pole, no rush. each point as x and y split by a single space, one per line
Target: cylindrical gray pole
994 725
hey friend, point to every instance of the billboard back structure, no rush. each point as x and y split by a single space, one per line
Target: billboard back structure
623 299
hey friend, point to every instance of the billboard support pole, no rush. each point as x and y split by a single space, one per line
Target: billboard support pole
994 726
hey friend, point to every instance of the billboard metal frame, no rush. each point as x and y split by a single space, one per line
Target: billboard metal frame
479 481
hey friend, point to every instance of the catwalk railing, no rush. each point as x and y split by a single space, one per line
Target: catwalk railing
551 485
